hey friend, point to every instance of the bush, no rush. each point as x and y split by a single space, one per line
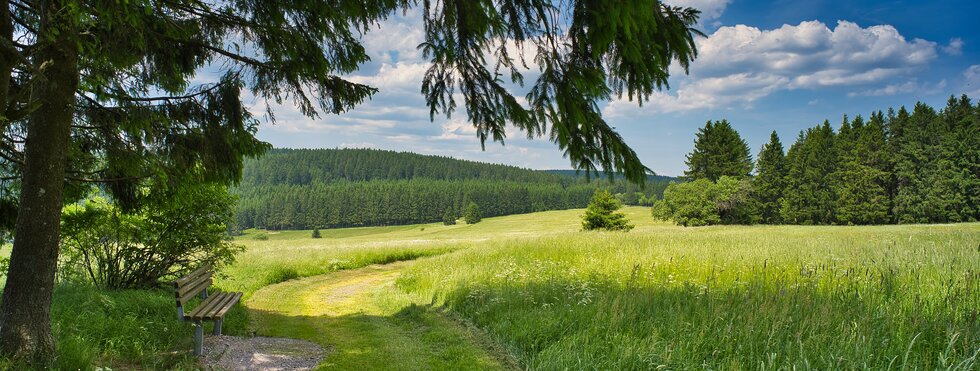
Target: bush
261 237
601 214
168 236
316 233
472 214
703 202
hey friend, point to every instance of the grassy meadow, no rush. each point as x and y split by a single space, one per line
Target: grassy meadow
665 296
533 291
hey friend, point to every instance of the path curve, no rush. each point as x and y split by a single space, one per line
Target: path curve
364 321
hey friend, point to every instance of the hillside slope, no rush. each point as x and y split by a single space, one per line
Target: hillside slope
308 188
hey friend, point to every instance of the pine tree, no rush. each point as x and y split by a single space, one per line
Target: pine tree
770 180
316 233
601 214
861 176
809 197
472 214
449 217
718 151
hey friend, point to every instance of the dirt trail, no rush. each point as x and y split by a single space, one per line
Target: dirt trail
364 321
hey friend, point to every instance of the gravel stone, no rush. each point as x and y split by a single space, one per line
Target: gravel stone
259 353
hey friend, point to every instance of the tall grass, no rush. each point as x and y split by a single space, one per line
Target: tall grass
723 297
122 329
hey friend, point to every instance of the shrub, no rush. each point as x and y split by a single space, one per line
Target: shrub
316 233
261 237
449 217
601 214
703 202
472 214
168 236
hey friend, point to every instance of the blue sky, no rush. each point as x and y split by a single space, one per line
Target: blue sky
765 65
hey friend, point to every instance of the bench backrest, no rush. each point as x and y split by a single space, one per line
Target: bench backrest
189 286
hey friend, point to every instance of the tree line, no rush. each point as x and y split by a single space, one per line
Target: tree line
327 188
897 166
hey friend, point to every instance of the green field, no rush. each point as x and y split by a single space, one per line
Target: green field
534 290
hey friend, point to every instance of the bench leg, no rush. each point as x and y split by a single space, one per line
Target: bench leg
217 327
198 338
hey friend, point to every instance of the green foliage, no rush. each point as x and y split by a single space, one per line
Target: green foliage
862 175
601 214
261 237
316 233
809 197
449 217
703 202
120 329
936 163
919 167
472 214
172 234
769 182
718 151
690 204
302 189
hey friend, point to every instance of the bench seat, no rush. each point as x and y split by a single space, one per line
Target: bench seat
214 307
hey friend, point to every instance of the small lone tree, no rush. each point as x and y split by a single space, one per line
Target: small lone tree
472 214
601 214
449 217
316 233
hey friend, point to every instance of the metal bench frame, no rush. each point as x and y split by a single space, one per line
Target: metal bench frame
212 308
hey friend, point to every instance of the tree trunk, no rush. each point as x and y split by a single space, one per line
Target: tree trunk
25 325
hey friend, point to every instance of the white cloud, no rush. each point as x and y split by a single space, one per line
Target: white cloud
399 35
912 86
710 9
971 80
740 64
395 78
955 46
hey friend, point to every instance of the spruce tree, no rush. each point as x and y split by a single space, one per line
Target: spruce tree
472 214
809 197
915 164
601 214
861 177
718 151
770 180
449 217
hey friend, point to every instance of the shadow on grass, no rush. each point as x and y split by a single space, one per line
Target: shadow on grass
567 324
123 329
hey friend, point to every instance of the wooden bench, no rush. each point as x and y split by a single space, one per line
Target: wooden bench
212 308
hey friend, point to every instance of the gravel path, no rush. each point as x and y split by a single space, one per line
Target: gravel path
259 353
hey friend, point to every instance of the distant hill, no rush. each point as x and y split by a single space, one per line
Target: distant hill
579 174
307 188
311 166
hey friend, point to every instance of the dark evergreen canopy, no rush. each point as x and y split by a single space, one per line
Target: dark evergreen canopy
718 151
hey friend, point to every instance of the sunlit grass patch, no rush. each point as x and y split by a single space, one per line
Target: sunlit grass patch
723 297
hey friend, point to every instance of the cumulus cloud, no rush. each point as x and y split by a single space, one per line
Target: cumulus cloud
955 46
738 65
